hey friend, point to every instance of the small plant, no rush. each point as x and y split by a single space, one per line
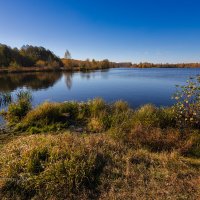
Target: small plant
99 119
24 95
187 107
17 110
97 106
147 115
5 98
52 117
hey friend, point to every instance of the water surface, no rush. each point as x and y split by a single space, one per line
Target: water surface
136 86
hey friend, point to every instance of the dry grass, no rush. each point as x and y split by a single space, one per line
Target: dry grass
120 153
70 166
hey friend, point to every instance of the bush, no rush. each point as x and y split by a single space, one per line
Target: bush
18 110
99 119
167 117
187 108
97 106
121 114
72 109
24 95
147 116
120 120
53 117
151 116
43 115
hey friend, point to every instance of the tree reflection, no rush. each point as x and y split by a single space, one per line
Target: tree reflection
42 80
34 81
86 75
68 79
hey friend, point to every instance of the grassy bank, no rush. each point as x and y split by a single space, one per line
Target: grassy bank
95 150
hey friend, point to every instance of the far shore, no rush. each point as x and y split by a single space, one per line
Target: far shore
60 69
38 69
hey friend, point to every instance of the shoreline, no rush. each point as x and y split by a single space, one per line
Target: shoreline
47 69
62 69
33 69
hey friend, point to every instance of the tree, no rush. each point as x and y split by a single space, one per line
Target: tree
67 55
28 56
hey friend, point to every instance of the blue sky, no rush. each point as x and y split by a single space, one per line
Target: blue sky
120 30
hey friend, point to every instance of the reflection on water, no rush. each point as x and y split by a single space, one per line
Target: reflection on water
136 86
68 79
34 81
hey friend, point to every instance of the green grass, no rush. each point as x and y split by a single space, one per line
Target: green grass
95 115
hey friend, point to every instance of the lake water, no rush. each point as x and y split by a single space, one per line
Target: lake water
136 86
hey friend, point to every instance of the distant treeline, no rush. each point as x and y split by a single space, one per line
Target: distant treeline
72 64
167 65
35 58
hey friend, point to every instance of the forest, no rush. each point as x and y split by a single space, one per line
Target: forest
30 57
27 56
33 58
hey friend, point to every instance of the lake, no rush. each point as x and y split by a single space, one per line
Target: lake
136 86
